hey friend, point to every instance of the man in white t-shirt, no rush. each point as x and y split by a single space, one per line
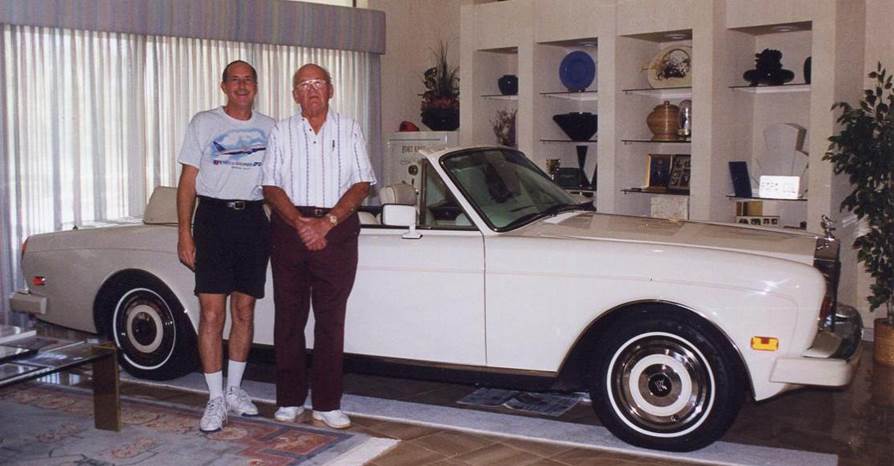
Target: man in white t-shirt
228 244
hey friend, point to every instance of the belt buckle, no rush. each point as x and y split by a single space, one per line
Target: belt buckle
236 205
319 212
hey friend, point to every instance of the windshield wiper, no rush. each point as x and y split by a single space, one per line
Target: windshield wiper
550 211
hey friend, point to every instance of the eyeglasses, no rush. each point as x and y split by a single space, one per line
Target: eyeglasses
316 84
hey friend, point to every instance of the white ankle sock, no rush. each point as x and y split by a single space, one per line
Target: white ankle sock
235 369
215 384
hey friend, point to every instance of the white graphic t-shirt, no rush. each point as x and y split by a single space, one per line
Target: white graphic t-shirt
229 153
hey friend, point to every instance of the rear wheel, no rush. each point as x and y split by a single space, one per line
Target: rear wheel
151 330
666 384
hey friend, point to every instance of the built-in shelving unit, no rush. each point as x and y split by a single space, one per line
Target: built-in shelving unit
529 38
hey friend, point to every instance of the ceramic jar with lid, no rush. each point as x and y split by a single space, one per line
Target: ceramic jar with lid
664 121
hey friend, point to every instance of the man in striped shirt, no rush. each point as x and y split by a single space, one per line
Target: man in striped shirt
316 174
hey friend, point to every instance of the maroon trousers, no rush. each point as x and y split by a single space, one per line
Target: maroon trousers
302 277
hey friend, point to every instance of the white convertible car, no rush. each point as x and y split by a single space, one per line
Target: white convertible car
493 268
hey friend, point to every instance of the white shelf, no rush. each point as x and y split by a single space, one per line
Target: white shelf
763 199
668 93
654 193
783 89
499 97
649 141
568 141
582 96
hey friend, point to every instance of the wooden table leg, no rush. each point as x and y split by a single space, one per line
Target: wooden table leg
106 393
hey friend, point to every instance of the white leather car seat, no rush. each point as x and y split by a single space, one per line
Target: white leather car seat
400 193
367 218
162 206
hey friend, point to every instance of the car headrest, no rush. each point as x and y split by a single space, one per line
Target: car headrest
401 193
162 206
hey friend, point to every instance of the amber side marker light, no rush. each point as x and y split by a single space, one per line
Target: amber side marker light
38 280
765 343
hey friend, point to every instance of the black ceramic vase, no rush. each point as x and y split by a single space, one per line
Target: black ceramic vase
441 119
508 84
578 126
582 162
768 69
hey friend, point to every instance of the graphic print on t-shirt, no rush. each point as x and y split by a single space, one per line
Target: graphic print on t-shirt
231 147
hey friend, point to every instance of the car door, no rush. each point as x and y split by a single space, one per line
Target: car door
421 299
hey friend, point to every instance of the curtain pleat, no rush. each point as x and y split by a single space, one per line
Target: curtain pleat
93 121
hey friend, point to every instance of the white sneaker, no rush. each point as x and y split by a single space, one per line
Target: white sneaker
215 415
288 413
334 419
239 403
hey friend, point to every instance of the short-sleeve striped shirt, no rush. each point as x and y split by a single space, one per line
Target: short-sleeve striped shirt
316 169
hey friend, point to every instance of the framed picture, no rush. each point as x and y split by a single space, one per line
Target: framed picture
680 172
758 220
658 172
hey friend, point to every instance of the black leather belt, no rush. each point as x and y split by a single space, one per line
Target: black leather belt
235 204
315 212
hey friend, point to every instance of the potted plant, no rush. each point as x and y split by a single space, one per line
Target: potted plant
864 150
440 102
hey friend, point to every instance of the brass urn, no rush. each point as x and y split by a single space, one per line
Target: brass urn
664 121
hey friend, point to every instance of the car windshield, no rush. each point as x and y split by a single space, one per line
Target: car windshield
506 188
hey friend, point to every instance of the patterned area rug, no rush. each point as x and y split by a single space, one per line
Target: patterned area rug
50 425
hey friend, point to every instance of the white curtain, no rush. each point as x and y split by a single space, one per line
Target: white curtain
93 121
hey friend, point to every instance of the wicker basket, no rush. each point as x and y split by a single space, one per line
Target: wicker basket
883 348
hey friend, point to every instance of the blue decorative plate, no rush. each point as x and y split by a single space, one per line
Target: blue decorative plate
577 71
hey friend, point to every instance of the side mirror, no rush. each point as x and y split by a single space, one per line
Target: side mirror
399 215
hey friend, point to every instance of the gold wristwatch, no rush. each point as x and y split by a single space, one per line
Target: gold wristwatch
332 219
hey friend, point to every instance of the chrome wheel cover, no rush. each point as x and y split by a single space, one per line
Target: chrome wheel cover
144 328
660 384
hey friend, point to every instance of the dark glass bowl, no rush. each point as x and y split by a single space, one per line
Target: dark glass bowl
579 126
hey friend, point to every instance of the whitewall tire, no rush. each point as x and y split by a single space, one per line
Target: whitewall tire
666 382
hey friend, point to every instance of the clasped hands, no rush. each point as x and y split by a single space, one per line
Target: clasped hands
312 231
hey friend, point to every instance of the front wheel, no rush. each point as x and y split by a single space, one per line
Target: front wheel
148 325
666 383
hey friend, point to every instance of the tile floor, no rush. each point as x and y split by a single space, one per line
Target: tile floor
856 423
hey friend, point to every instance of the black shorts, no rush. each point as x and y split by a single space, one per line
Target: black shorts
232 248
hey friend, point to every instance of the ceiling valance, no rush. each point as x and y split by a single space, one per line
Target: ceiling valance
261 21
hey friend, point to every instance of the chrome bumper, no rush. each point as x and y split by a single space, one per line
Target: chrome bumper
832 359
24 301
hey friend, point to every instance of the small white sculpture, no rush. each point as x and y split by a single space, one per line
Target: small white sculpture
784 155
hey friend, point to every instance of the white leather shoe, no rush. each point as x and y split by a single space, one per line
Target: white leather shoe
288 413
335 419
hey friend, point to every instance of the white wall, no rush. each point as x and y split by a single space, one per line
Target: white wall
414 29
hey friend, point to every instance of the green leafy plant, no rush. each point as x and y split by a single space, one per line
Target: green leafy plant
864 150
441 82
